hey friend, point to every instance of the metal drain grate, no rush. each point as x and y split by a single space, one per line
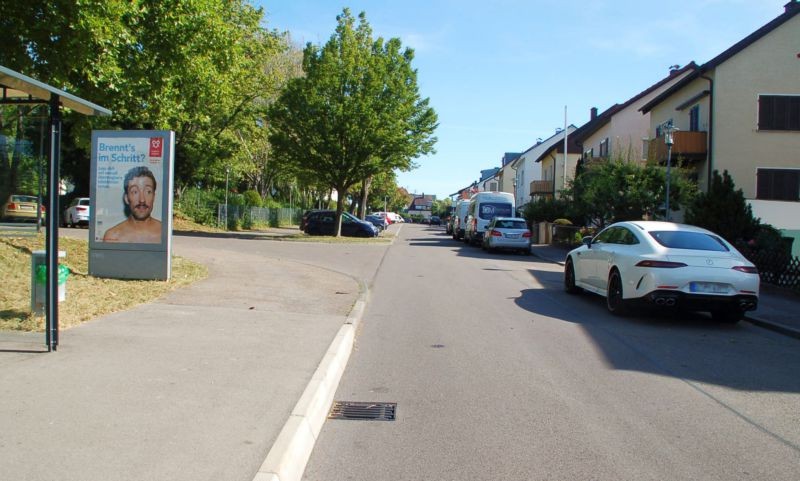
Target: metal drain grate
363 411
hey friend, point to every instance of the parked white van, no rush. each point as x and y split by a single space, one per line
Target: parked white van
483 207
460 218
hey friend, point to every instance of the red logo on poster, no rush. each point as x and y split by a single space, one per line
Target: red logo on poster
156 147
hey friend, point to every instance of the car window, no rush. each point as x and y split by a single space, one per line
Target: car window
627 237
488 210
23 198
605 236
84 202
511 224
689 240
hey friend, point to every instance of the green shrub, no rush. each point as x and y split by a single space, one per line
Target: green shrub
252 198
723 210
544 210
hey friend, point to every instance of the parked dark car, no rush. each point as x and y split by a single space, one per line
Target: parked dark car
304 219
435 220
323 222
379 222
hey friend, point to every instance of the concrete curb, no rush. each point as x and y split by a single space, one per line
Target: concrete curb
287 459
773 326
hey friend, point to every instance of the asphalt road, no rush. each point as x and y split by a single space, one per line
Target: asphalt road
499 374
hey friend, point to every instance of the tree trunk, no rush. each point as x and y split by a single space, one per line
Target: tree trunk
362 209
342 193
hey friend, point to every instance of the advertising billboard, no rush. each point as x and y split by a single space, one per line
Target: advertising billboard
131 202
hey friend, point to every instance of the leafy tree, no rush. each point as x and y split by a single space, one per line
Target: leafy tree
545 210
355 114
441 207
616 190
193 67
724 210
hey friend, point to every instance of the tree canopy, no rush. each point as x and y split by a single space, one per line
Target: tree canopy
616 190
200 68
355 114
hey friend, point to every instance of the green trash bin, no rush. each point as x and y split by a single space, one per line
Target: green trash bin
39 281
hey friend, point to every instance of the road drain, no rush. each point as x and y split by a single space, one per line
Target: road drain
362 411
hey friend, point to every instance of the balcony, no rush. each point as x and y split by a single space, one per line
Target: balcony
687 145
540 187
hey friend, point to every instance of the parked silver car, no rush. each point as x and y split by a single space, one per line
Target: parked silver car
77 212
510 233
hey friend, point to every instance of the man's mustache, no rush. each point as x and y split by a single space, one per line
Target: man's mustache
141 204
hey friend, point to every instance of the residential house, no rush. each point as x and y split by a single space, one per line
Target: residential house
488 180
740 112
506 177
619 131
464 193
530 180
421 205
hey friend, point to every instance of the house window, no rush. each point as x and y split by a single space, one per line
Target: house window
604 148
694 119
778 184
779 112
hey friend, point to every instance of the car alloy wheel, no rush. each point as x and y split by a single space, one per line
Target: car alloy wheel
569 279
614 301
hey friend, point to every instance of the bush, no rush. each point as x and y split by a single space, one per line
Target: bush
252 198
545 210
724 210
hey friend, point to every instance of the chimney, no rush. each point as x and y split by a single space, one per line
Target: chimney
593 113
793 4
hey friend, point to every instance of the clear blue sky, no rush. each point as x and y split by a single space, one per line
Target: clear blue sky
499 73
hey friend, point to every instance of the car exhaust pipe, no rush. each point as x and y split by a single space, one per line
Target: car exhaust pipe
670 301
747 305
660 301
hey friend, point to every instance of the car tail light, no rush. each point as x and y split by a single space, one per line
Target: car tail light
660 264
495 233
12 206
526 234
474 224
80 209
746 269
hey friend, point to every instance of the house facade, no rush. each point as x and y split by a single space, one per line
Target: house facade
740 112
619 132
530 179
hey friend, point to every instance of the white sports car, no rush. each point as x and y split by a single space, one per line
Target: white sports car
664 264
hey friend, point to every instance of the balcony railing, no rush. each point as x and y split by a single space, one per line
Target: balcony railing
541 187
689 145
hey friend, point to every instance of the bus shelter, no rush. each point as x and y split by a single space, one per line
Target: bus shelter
19 89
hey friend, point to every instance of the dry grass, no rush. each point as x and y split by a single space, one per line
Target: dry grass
86 297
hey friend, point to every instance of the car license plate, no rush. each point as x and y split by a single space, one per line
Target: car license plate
512 236
708 287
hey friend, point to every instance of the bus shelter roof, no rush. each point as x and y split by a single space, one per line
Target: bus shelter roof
16 88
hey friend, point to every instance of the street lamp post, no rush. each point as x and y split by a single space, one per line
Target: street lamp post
669 129
227 173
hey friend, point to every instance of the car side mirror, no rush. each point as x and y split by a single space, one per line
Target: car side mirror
587 241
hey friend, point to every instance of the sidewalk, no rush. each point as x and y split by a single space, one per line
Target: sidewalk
778 310
197 385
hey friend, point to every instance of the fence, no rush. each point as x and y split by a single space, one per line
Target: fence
253 217
236 216
778 267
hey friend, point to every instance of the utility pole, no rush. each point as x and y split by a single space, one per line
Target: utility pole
668 129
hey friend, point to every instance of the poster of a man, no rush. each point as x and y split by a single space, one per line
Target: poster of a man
138 197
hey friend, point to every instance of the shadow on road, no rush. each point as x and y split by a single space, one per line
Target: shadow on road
685 345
